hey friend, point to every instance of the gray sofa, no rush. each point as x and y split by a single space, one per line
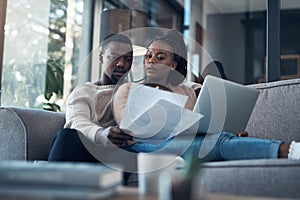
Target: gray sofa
276 115
26 134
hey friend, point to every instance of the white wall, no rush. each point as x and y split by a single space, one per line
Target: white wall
226 43
223 38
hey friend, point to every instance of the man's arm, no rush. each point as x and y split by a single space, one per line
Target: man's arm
81 115
80 111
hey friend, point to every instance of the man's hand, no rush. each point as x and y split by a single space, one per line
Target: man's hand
118 137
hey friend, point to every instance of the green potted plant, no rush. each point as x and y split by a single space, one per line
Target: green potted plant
54 84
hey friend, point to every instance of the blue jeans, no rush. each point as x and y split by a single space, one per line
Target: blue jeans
216 147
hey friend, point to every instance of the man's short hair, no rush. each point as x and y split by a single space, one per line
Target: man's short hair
114 38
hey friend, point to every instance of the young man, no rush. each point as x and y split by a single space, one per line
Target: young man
88 114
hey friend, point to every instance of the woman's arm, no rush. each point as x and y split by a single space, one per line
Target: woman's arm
119 101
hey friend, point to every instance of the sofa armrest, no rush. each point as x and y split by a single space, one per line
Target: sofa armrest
26 134
269 178
276 114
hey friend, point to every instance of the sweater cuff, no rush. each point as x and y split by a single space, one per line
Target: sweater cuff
101 137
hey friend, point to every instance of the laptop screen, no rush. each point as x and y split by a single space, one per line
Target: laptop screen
226 106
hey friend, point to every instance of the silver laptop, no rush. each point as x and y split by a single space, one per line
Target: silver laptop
226 105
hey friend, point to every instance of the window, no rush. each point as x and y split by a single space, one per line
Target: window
41 47
235 33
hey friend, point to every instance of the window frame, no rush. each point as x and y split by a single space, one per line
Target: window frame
3 6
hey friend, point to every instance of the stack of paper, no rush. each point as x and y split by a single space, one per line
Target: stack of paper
152 115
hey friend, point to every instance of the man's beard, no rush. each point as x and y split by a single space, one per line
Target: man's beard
115 78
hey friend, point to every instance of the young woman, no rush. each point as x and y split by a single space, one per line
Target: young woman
166 67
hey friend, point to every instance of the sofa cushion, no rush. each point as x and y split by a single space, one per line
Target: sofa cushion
266 177
276 114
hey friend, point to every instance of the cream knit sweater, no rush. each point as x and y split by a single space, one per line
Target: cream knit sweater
88 109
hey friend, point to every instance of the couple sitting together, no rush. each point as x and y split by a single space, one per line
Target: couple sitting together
94 110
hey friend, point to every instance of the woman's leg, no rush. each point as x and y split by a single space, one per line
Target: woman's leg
227 146
238 148
216 147
67 146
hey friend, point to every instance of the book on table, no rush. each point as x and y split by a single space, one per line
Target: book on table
161 116
63 180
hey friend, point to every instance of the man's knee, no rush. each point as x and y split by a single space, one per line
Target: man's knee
67 133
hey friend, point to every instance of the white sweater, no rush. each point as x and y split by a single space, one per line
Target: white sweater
88 109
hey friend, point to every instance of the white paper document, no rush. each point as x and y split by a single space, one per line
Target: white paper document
152 115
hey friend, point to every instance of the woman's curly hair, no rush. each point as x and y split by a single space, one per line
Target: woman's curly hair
174 39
